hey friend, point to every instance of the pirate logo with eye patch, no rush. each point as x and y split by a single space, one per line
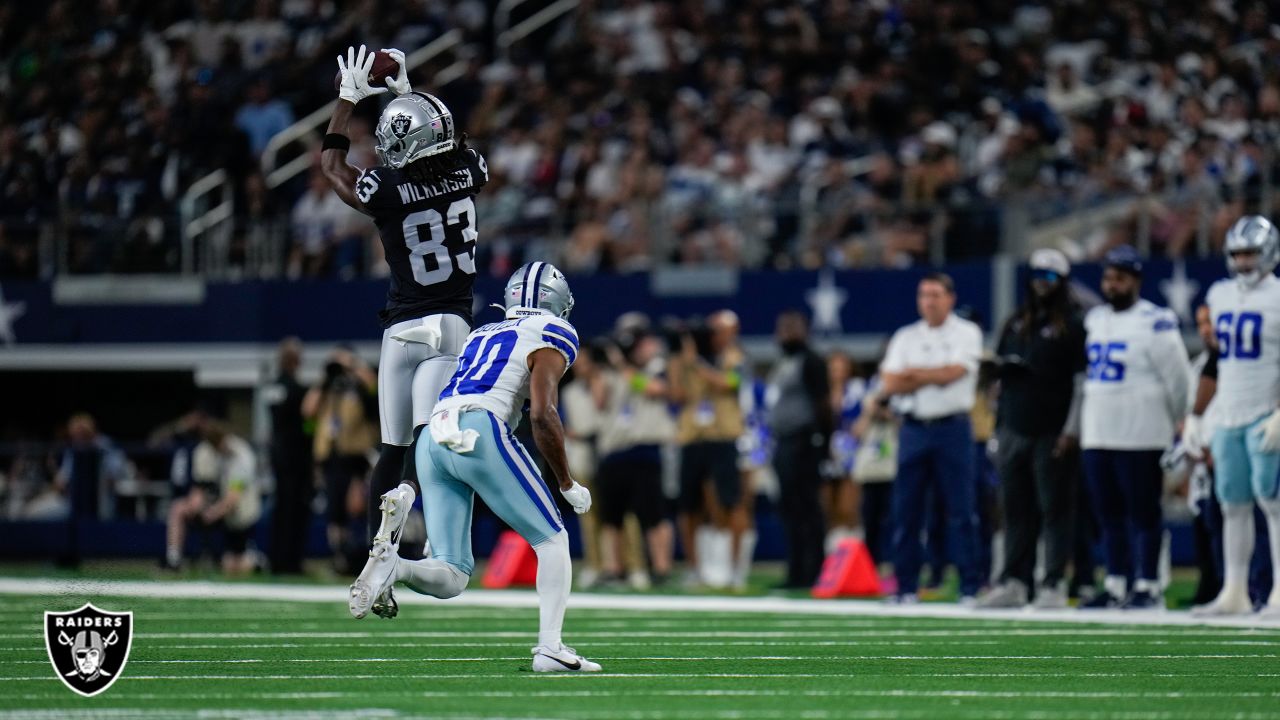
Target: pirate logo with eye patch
88 647
400 125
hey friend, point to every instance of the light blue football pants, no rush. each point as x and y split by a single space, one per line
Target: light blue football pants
1244 472
500 471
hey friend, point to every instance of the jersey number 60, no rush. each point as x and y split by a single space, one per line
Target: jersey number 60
1246 342
458 224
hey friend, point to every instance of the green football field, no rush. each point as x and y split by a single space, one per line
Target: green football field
212 657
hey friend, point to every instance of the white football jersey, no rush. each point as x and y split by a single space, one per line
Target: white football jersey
1248 326
1138 380
493 370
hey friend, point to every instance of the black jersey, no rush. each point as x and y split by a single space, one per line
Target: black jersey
428 235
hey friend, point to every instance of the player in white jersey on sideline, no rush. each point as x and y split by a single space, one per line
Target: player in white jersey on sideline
472 451
1245 310
1135 393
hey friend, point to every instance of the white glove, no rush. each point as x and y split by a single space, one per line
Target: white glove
355 76
1193 436
1271 433
579 497
400 83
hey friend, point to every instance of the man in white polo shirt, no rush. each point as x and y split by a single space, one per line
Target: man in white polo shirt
932 367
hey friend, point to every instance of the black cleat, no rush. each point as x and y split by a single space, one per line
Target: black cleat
386 606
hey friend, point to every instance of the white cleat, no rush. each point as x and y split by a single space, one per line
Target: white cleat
379 573
396 504
564 659
1271 611
1229 603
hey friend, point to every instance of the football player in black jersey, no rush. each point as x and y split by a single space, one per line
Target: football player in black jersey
421 199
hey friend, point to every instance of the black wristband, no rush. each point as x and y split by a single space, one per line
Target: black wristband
336 141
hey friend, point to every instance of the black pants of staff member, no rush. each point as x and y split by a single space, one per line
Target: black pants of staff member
291 513
797 460
1038 492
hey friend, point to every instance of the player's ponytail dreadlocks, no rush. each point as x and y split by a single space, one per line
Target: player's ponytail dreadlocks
432 168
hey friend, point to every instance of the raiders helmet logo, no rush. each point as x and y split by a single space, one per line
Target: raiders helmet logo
400 125
88 647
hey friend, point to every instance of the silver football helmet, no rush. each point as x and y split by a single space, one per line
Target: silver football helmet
1252 234
537 286
414 126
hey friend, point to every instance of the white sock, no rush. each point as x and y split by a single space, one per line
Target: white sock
429 576
173 554
703 536
1271 509
555 576
1237 547
719 563
1116 586
746 553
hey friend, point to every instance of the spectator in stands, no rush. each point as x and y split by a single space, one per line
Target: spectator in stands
932 366
321 222
706 375
344 409
637 424
800 420
224 496
1042 361
290 453
263 116
579 119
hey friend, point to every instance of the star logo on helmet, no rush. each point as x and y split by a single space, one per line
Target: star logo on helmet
400 125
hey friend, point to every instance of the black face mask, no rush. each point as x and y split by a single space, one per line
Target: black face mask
791 347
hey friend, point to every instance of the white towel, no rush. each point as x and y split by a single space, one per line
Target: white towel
430 332
445 431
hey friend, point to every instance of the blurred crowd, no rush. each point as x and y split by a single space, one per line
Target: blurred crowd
629 133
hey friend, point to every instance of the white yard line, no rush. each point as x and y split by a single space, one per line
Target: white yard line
89 589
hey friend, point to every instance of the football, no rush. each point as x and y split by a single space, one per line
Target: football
384 66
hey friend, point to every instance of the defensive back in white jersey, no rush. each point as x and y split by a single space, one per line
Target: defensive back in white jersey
1138 380
1247 321
493 370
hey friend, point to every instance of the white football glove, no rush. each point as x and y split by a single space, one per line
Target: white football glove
355 76
400 83
579 497
1193 436
1271 433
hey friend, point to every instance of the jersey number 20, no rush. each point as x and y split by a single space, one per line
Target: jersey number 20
1246 342
458 220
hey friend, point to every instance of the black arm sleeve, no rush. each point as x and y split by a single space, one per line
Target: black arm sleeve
1210 369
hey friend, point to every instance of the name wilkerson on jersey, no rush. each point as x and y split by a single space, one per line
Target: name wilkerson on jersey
428 233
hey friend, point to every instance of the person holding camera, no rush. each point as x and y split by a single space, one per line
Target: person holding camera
342 407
